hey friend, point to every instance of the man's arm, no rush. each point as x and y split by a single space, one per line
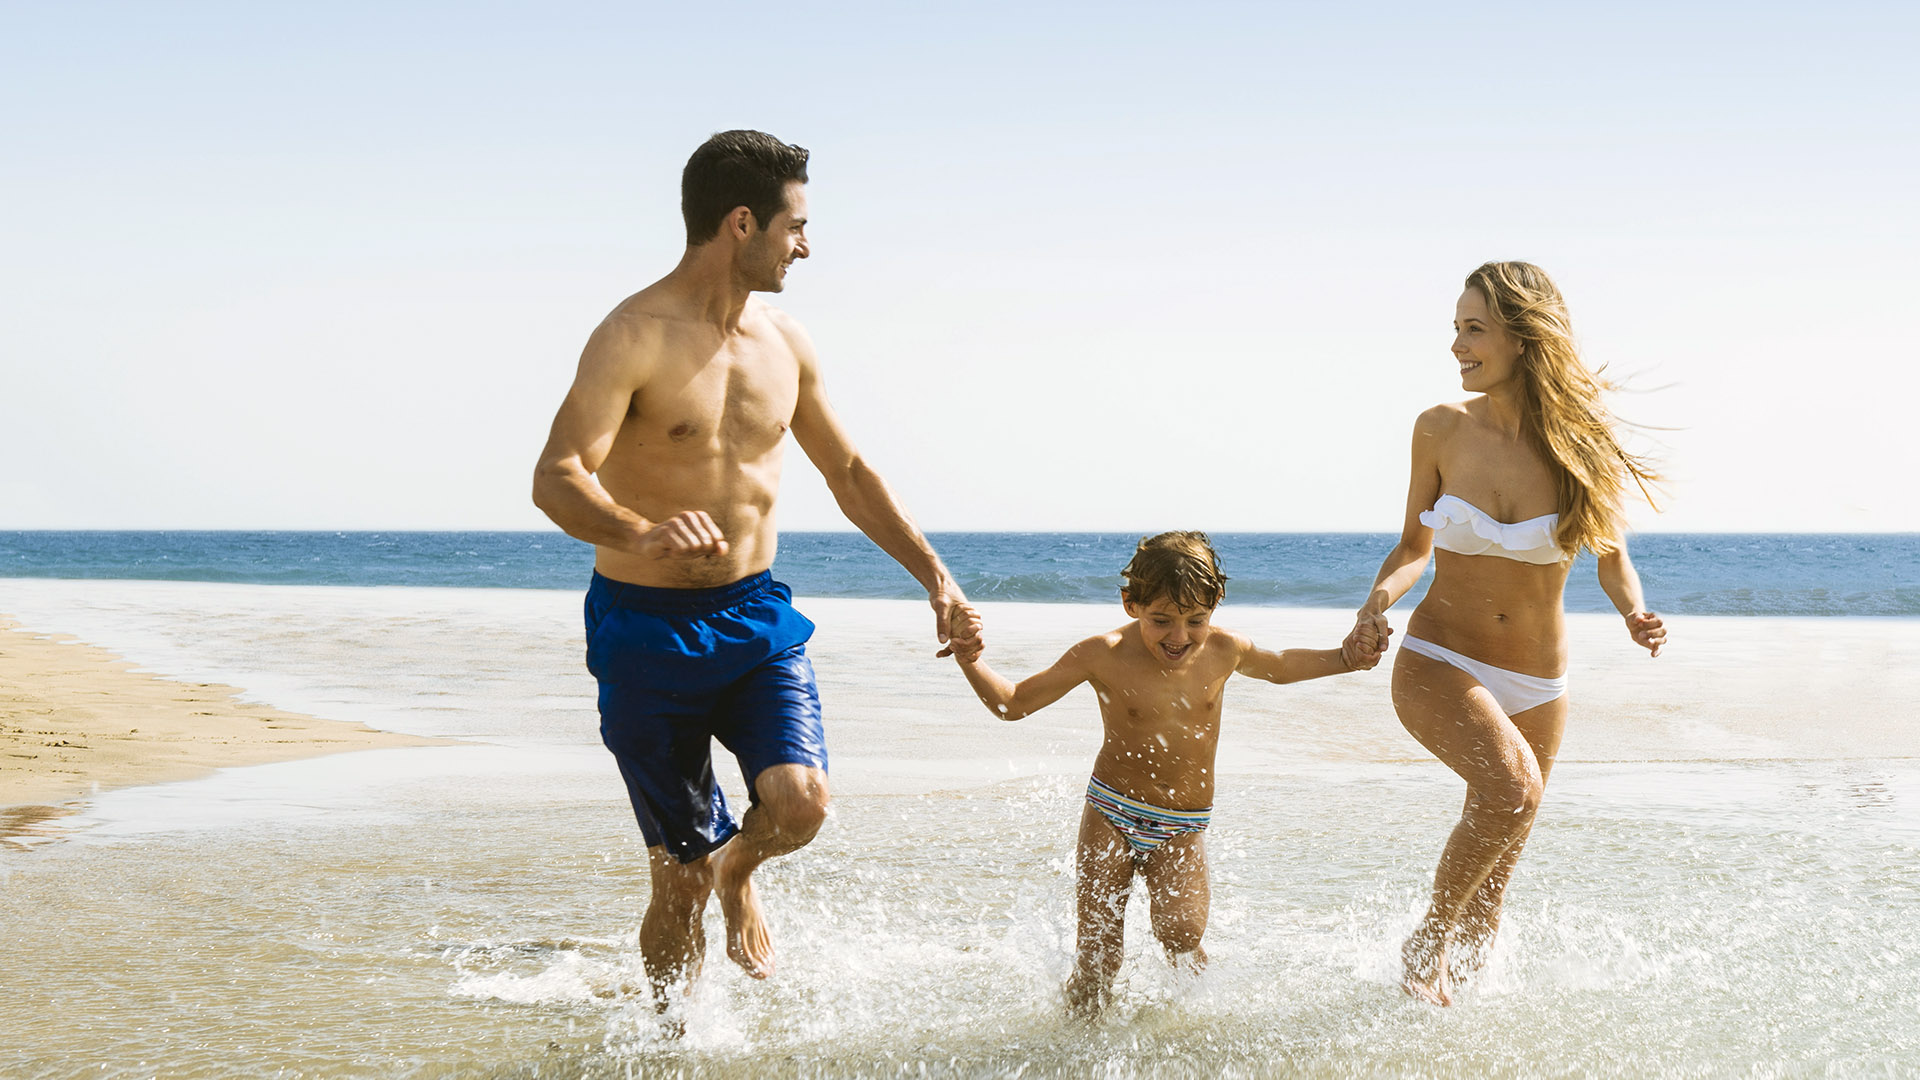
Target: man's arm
867 500
616 363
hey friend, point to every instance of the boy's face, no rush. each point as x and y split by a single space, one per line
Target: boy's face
1171 633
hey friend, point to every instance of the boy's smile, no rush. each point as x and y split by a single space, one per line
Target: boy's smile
1172 634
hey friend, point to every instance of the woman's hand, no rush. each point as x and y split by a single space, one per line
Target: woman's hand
1648 631
1366 643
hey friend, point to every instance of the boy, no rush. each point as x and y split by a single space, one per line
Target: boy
1159 679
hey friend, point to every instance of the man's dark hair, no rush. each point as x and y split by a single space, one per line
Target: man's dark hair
737 168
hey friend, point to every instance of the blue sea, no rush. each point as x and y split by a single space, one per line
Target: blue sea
1754 574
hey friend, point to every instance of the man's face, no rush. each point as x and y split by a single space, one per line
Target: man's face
1172 634
769 251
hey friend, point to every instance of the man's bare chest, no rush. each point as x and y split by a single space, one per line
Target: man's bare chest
741 407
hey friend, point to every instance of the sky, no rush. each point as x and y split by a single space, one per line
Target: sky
1106 267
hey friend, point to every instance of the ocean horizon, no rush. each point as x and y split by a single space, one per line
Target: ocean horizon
1740 574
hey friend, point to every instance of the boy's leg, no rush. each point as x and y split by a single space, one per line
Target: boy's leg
1103 876
1179 893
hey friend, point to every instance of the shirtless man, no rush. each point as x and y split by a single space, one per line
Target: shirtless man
666 456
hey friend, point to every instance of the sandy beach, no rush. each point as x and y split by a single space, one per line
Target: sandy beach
470 909
76 720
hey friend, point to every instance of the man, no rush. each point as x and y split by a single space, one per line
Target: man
666 456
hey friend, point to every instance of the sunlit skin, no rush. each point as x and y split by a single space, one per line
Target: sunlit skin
1495 610
1159 680
666 456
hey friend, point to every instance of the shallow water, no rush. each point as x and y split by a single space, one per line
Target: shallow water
1704 895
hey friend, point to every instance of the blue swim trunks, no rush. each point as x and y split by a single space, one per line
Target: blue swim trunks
679 668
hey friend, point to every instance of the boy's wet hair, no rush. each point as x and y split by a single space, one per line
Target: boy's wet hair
1180 566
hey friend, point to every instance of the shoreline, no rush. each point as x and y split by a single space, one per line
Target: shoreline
76 720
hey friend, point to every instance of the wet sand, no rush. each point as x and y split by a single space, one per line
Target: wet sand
76 720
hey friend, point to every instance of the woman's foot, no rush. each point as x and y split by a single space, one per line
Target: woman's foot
1425 958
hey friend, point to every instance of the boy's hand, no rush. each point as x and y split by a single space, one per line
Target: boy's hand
964 642
1648 631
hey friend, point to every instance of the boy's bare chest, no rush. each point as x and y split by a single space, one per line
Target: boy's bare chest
1189 707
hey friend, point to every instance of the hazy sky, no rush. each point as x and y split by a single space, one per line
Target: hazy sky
1102 266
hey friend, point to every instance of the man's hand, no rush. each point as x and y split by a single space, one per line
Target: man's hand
689 534
958 626
1366 643
1648 631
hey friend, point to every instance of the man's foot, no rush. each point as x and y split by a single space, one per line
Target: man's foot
748 943
1425 958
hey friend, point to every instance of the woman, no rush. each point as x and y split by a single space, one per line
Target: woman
1507 486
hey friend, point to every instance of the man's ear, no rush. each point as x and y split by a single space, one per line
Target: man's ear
740 222
1132 609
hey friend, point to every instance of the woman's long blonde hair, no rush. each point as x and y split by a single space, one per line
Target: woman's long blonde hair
1564 414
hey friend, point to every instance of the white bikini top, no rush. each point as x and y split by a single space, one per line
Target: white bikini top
1459 526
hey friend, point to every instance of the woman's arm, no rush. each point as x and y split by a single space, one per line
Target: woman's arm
1408 559
1622 584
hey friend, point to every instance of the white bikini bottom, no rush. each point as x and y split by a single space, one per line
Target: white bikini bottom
1512 691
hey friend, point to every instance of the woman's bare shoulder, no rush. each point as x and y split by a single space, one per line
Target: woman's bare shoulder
1442 421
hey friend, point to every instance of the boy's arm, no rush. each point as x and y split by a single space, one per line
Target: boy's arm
1292 665
1011 702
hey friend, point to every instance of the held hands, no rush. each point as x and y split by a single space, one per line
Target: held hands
959 626
689 534
1648 631
1366 643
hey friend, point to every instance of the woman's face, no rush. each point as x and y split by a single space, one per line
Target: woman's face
1488 355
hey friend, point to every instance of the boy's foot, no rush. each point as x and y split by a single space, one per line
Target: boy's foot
1425 958
1086 997
1193 961
748 942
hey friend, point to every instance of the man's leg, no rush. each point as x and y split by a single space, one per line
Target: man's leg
792 805
672 940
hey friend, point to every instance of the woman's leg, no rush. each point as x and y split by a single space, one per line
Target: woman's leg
1103 866
1453 716
1542 727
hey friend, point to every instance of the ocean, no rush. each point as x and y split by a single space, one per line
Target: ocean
1790 574
1722 881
